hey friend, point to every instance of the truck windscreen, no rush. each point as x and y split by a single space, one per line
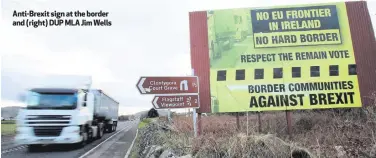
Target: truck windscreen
37 100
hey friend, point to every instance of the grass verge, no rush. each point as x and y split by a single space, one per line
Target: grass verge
144 122
141 125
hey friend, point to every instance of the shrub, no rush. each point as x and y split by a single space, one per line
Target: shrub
152 113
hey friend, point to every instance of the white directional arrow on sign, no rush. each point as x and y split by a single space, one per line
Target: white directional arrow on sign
155 104
139 85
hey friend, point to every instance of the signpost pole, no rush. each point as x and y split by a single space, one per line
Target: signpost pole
169 116
194 122
259 121
237 121
199 124
196 127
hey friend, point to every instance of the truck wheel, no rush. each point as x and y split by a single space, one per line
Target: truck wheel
106 128
90 135
33 147
100 132
84 139
109 128
115 127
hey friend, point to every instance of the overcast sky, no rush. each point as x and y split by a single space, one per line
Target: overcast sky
147 37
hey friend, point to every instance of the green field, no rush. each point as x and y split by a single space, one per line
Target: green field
8 129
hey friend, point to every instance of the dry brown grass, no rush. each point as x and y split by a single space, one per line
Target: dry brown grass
354 131
322 132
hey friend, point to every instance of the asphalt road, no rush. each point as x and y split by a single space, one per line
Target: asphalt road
117 144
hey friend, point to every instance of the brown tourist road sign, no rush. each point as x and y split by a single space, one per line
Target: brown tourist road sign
168 85
176 101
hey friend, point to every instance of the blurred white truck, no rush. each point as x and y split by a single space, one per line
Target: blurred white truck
65 116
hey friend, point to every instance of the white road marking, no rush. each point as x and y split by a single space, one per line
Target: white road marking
130 148
13 149
104 141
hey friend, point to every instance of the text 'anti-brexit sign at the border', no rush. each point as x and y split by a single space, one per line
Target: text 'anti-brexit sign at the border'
282 58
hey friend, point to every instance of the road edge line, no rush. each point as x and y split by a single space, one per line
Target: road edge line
130 148
103 142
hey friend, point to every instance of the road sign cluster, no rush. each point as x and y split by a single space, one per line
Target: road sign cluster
171 92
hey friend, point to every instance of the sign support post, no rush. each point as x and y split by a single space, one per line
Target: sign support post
194 122
199 124
169 116
259 121
237 121
194 114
